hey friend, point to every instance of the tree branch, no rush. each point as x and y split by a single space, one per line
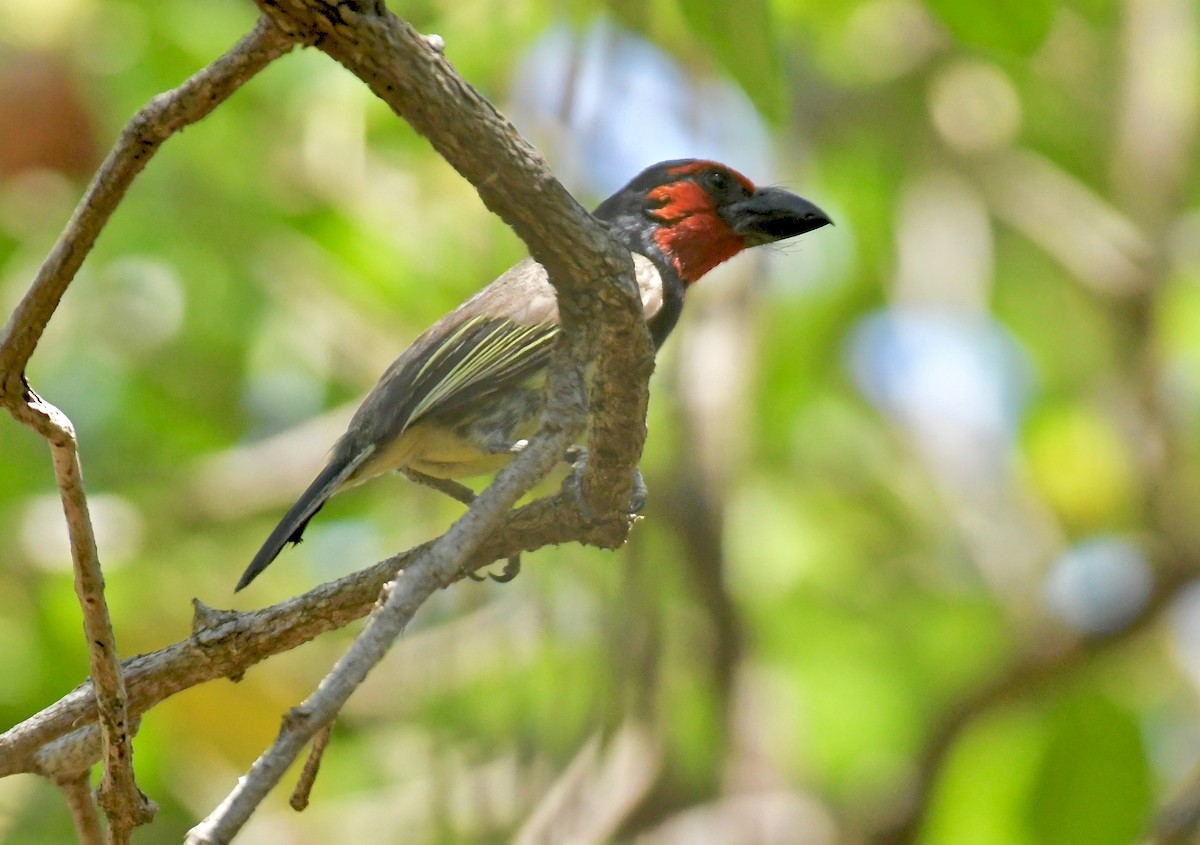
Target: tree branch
78 791
308 775
601 320
123 803
63 738
410 74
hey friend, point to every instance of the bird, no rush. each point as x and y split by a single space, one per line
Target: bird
462 399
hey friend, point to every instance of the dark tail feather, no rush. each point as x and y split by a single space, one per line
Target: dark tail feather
291 527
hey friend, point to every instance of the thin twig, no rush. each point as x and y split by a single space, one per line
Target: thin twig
308 775
420 86
123 803
225 644
77 789
166 114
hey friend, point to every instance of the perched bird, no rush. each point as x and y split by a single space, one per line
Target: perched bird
460 401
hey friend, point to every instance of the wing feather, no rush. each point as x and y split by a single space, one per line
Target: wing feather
479 353
487 356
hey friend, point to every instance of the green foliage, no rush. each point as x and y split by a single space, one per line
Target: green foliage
1094 783
988 782
1026 166
1018 26
742 38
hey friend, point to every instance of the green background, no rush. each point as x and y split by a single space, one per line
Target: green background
818 583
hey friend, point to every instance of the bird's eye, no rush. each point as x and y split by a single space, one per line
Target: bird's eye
723 185
719 182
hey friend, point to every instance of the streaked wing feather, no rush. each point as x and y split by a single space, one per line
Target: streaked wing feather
479 353
486 356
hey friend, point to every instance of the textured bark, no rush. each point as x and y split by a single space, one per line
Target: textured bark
602 325
224 644
593 274
124 804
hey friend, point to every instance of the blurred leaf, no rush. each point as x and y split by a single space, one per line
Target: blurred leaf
740 37
1015 26
1093 784
1081 464
1097 12
982 793
632 14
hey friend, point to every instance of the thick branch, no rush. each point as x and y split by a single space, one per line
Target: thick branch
225 644
413 78
599 309
592 273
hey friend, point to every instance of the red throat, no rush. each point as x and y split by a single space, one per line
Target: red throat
692 234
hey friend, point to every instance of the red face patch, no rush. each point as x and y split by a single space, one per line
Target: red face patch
681 199
692 234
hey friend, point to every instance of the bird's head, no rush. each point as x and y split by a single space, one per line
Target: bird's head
694 214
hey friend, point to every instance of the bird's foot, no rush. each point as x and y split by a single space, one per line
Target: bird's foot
639 494
466 495
577 457
512 568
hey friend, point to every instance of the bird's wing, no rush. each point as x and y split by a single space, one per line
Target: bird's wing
492 341
483 356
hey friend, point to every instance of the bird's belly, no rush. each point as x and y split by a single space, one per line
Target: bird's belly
473 441
444 454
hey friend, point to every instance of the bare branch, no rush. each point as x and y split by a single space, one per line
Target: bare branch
437 565
413 78
409 73
77 789
64 738
123 803
308 775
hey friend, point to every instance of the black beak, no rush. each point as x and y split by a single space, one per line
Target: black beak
772 214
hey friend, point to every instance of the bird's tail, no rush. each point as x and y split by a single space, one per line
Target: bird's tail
291 527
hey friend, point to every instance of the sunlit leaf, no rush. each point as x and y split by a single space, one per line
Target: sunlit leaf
1093 784
984 786
1016 26
741 38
